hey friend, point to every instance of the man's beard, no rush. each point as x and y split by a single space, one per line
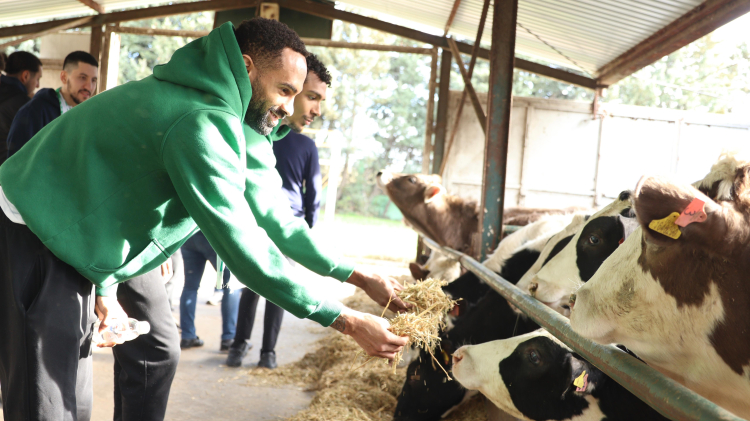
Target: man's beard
74 97
258 116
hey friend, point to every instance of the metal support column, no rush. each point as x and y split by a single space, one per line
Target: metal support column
498 123
442 111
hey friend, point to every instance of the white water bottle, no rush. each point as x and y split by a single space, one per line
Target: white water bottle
121 332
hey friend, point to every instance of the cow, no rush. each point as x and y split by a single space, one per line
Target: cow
536 377
449 220
427 393
678 294
575 258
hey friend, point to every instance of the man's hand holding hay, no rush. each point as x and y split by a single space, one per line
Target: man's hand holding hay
382 290
370 332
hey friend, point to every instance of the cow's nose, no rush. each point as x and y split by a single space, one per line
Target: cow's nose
458 356
572 300
380 173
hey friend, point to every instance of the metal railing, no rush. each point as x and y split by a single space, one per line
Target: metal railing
668 397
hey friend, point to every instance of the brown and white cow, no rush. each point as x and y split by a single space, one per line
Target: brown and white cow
679 296
449 220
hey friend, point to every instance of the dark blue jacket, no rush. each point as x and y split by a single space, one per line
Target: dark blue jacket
297 163
13 96
32 117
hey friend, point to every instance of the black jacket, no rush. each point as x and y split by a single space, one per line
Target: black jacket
32 117
13 96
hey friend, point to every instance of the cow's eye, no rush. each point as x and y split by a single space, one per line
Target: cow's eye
534 357
594 240
413 180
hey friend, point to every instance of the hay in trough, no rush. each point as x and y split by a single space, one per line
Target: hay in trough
370 392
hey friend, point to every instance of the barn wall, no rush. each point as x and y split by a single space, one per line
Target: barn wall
560 156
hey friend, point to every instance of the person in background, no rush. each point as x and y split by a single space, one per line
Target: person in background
195 253
78 77
299 167
21 79
144 368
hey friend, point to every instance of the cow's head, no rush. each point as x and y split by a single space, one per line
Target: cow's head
676 283
419 197
573 260
427 393
529 376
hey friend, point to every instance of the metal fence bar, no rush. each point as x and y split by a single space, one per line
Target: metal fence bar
661 393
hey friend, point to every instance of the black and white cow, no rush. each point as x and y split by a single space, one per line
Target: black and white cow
575 258
427 394
532 377
677 291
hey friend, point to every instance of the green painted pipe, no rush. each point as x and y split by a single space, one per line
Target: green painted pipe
670 398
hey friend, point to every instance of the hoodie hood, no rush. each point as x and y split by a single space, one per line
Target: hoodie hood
212 55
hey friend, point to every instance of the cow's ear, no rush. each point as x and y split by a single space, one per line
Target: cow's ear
582 375
431 192
672 212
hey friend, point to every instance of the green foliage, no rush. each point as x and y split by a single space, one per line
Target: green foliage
700 76
140 53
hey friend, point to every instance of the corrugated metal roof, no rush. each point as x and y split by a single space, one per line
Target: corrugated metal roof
577 34
587 33
14 12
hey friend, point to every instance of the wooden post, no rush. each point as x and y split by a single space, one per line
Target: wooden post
442 110
95 48
429 123
104 62
498 123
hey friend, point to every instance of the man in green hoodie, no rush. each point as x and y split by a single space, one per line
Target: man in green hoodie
152 162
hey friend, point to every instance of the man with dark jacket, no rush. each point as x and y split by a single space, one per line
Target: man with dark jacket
79 78
111 189
22 73
298 165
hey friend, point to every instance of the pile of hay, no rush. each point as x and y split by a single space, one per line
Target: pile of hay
366 394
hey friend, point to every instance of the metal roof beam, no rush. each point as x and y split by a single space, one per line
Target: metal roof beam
130 15
94 5
691 26
60 27
452 16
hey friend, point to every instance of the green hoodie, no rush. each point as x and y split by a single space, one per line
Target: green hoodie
116 185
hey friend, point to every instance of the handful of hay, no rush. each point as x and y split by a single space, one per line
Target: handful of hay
423 322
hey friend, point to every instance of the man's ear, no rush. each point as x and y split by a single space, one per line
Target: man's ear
252 70
431 192
63 77
25 76
659 202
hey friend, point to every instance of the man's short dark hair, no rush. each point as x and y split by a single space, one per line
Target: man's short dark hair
76 57
314 65
264 40
21 61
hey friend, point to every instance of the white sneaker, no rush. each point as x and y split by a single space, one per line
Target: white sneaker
216 299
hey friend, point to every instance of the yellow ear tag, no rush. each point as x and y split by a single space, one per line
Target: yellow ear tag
580 382
667 226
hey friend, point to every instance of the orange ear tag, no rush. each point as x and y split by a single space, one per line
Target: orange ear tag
666 226
693 213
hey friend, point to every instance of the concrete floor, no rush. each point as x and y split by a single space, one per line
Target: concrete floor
205 389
